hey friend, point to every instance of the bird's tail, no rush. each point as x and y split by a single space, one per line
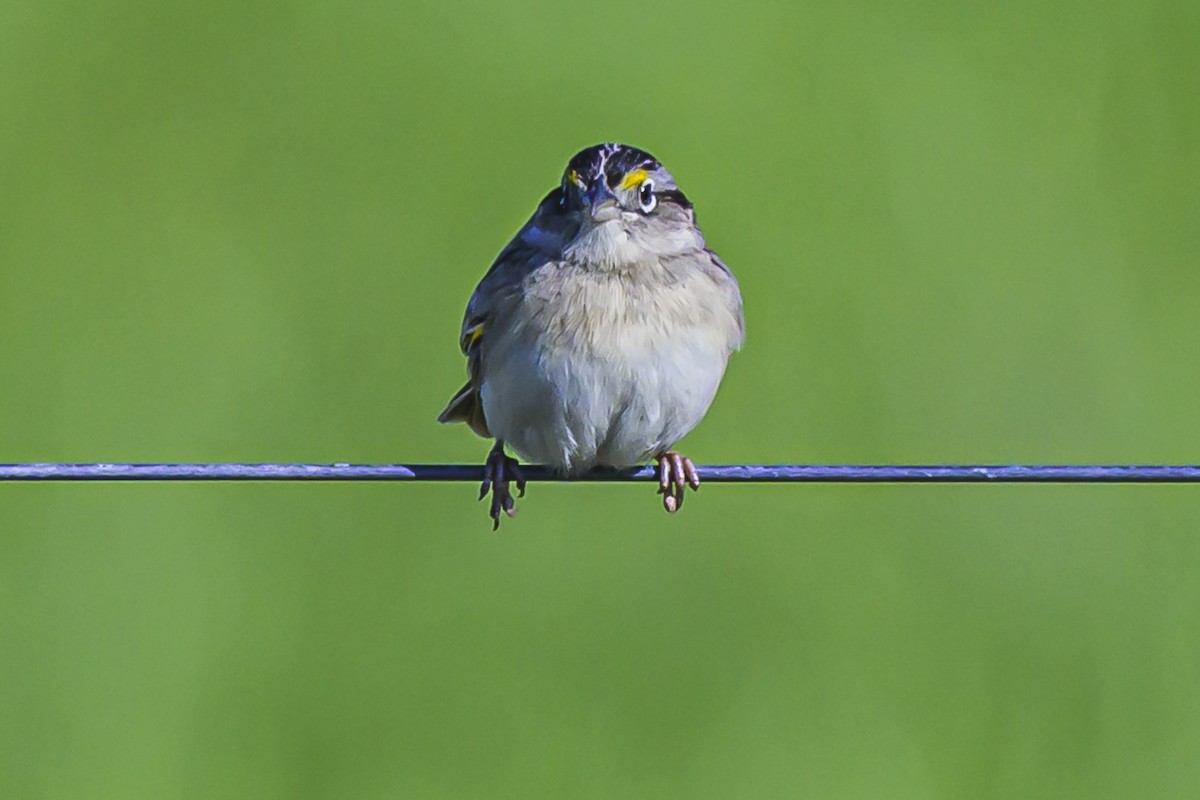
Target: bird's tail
466 407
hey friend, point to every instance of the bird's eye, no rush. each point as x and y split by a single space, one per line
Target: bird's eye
646 196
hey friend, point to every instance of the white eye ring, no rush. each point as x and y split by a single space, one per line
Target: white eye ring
646 196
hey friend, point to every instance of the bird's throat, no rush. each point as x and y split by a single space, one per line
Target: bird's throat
606 246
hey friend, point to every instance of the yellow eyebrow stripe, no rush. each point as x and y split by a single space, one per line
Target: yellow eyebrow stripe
634 178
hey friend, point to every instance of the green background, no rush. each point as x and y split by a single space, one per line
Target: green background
965 232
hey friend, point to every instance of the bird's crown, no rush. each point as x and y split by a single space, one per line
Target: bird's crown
616 164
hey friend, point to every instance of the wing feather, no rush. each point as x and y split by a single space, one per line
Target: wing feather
538 242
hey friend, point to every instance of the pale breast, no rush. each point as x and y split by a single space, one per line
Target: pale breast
609 367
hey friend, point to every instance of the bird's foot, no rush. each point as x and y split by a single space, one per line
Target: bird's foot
497 472
675 472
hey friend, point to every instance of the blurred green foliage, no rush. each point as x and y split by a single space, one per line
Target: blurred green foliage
964 231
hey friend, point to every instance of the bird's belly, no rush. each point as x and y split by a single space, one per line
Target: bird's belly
611 399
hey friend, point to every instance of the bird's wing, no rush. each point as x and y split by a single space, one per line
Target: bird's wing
466 406
538 242
723 276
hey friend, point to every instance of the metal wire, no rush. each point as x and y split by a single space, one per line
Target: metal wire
730 473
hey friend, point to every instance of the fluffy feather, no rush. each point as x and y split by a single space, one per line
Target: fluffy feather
603 343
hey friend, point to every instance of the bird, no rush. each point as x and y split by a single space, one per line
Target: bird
599 335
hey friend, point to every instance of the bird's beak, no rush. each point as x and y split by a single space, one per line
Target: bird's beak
601 202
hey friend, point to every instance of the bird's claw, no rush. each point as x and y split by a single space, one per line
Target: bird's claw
499 470
675 472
